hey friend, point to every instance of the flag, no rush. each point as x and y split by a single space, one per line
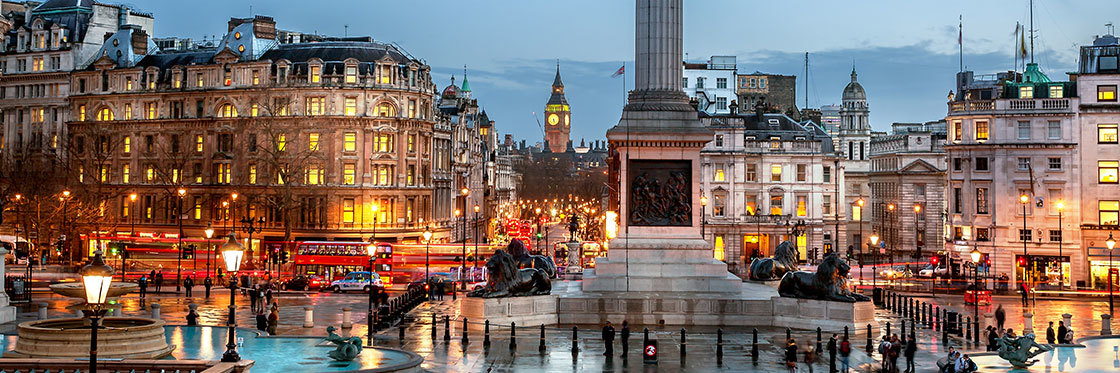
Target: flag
620 71
1023 44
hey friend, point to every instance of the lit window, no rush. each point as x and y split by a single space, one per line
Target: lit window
316 105
351 107
956 128
313 141
125 174
802 172
198 208
775 172
385 109
411 143
256 77
178 82
801 206
348 210
351 74
127 144
127 111
252 174
412 108
350 141
1056 91
227 111
198 143
314 175
383 176
199 79
150 174
718 251
175 175
1026 91
383 143
224 173
386 74
776 204
104 174
981 130
719 173
1106 133
348 171
104 114
411 177
857 212
281 142
1107 171
151 110
1106 93
254 110
314 74
1109 212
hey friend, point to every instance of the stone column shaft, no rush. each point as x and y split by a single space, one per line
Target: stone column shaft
658 45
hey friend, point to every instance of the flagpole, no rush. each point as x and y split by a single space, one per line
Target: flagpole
960 39
623 83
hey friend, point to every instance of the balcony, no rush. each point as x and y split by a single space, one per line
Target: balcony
1010 106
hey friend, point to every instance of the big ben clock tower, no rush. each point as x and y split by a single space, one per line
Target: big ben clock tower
557 115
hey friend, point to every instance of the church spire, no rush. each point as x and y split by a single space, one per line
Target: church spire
466 85
853 72
556 82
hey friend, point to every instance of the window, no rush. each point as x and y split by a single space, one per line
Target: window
1026 91
82 115
718 173
351 74
383 143
717 250
128 83
104 114
982 234
227 111
316 105
1054 163
1053 130
351 107
801 206
957 164
348 210
775 172
957 200
314 175
1106 93
252 174
721 82
1024 163
411 177
151 110
1109 212
981 130
981 164
1024 130
127 145
256 77
981 200
957 134
412 108
125 174
699 82
1056 91
385 109
752 172
775 204
827 174
383 175
826 207
281 142
314 75
224 173
719 203
1024 235
1055 235
801 172
254 110
752 204
199 79
857 212
127 112
1108 63
198 143
684 82
313 141
1106 133
280 106
150 174
411 143
721 103
719 141
349 142
1107 171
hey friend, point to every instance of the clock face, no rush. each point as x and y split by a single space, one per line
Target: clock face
567 120
553 119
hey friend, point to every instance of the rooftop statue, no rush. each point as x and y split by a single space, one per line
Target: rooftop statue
768 269
829 282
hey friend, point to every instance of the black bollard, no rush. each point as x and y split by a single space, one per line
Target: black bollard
903 327
888 329
818 339
541 347
465 340
944 335
513 336
845 331
968 328
754 346
960 325
645 338
788 335
434 326
486 335
684 343
575 340
719 346
400 332
447 328
868 339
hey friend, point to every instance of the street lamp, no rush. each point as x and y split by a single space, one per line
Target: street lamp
371 251
874 246
703 215
463 269
1024 199
917 249
96 276
427 255
1110 242
891 234
976 294
476 209
1061 233
232 252
863 254
179 271
209 234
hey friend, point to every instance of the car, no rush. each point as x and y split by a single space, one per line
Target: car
931 271
432 280
896 272
358 280
305 283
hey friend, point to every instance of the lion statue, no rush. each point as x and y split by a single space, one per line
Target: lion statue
769 269
504 278
521 256
830 282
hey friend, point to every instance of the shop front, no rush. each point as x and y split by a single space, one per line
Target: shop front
1100 266
1044 270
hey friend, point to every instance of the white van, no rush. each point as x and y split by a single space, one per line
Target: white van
14 244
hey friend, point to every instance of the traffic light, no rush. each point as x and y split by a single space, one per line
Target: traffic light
1022 261
539 235
284 257
934 260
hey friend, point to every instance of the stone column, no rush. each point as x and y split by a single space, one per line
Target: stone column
1028 323
42 310
1068 319
308 317
1106 324
658 37
346 323
155 310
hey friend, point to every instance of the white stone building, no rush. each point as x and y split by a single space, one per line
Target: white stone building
711 85
854 143
908 171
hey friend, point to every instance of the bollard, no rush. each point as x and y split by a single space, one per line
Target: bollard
868 339
1068 319
42 310
719 346
818 339
434 327
465 340
486 335
788 336
845 331
888 329
541 347
924 314
575 339
1028 323
308 317
937 315
400 332
944 335
1106 324
155 310
968 328
684 343
447 328
513 336
346 324
645 338
903 328
754 344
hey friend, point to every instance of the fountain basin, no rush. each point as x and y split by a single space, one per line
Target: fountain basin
78 290
118 338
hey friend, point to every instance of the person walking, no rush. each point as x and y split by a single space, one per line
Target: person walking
993 337
188 284
273 320
1026 293
1062 330
262 321
608 339
253 298
159 281
1050 333
893 352
791 355
832 354
845 354
1001 316
268 294
911 349
207 283
884 348
810 358
143 284
625 338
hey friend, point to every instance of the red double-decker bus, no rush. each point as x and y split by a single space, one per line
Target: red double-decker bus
332 259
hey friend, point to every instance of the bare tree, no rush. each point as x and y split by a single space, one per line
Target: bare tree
90 200
37 179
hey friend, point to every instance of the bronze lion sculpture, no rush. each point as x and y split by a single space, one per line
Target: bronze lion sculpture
521 256
504 278
769 269
830 282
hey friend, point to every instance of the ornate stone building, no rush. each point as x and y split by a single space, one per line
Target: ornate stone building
908 171
558 118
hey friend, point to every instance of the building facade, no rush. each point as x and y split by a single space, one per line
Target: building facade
558 118
710 86
1098 77
908 172
854 142
778 92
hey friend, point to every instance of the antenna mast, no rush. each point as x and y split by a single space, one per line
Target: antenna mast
806 80
1032 31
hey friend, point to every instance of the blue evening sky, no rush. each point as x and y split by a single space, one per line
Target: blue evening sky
905 51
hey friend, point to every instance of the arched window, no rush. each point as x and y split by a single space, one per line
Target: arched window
385 109
227 111
104 114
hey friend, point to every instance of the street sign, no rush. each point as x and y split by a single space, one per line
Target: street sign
649 353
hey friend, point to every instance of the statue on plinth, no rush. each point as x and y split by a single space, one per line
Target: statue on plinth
829 282
504 278
769 269
1019 351
347 348
521 256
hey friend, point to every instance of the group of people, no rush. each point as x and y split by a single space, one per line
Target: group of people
608 339
836 347
955 362
1064 335
891 347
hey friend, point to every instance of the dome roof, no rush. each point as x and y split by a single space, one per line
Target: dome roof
854 91
452 90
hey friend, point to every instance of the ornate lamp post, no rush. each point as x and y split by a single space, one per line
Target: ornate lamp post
891 234
427 255
250 226
538 218
96 276
65 199
371 251
917 214
863 254
476 209
1110 243
209 247
703 216
976 294
1024 199
874 246
232 253
179 262
1061 205
463 270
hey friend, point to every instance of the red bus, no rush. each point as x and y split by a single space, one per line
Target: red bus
332 259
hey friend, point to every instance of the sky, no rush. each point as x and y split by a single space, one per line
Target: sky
905 52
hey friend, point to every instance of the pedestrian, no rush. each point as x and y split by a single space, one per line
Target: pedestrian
1069 334
911 348
273 320
192 318
950 361
845 354
625 338
1050 333
253 298
894 351
810 358
159 281
260 297
791 355
1001 316
832 354
1025 290
608 339
884 347
1062 330
207 283
188 284
143 284
442 289
268 294
262 321
993 339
